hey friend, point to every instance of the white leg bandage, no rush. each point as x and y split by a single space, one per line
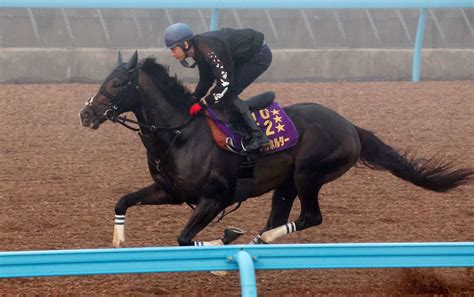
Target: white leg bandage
119 231
119 219
275 233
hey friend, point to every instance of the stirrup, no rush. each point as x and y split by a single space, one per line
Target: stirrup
255 145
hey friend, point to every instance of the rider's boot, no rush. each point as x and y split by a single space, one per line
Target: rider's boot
256 135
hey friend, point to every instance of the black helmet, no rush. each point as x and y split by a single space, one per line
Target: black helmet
176 34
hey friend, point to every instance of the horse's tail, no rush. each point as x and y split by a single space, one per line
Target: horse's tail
434 174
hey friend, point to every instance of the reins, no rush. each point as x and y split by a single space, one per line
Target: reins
122 120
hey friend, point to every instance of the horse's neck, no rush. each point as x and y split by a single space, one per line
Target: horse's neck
155 110
160 112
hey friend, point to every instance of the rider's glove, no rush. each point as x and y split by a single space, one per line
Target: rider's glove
195 108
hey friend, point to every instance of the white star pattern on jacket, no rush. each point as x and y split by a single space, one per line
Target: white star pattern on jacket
222 79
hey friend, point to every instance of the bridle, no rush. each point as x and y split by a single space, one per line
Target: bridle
129 90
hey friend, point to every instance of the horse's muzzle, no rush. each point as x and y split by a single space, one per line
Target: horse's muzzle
88 118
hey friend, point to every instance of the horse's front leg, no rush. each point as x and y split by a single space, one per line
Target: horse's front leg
206 210
152 195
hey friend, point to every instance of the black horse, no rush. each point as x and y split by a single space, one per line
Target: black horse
193 170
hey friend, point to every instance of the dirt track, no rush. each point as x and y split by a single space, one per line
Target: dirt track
59 183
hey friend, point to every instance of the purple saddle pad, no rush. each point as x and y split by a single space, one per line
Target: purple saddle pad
273 120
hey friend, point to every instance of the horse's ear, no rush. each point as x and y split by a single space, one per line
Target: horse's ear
119 59
132 63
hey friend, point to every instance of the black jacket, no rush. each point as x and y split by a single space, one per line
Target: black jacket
216 53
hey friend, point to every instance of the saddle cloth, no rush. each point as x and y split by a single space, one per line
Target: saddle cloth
273 120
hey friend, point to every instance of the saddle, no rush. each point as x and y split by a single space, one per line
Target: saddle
271 118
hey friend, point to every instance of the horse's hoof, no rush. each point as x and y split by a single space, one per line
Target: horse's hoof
220 273
117 242
231 234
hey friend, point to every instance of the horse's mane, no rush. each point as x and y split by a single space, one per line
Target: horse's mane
175 92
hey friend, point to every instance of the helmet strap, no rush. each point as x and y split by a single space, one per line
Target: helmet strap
187 65
184 62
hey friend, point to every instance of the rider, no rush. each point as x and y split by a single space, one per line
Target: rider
233 59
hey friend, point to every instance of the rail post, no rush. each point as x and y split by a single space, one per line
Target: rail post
420 37
214 19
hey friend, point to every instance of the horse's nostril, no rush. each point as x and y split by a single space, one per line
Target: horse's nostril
84 116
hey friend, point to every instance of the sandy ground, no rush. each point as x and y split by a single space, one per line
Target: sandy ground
59 183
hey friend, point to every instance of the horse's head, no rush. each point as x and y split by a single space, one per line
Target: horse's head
117 94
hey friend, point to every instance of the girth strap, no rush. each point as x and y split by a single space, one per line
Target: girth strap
245 182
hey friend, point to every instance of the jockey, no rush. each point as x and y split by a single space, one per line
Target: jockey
233 59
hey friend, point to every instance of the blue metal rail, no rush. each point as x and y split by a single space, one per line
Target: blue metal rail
246 258
423 5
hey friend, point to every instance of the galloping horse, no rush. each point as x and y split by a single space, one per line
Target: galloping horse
193 170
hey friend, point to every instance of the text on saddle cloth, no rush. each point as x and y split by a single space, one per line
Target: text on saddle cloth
273 120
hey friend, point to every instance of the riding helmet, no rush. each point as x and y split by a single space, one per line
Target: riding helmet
176 34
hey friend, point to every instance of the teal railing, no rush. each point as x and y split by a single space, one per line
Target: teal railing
245 258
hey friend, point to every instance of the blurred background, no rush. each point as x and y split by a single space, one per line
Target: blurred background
313 28
323 35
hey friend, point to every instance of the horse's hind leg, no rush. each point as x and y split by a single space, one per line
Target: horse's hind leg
310 179
328 164
282 202
310 216
320 162
151 195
